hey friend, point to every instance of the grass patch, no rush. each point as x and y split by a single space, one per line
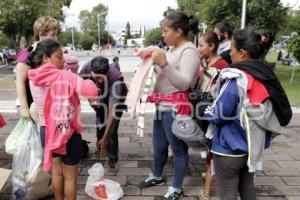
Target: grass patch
284 73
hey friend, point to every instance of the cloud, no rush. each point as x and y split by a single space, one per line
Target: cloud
138 12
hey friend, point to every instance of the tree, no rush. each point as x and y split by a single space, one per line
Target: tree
292 23
261 14
169 10
65 37
153 36
3 41
190 7
127 31
89 20
294 47
266 15
86 41
17 17
89 23
105 36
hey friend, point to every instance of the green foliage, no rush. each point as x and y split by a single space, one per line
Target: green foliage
127 31
190 7
65 37
106 38
89 20
17 17
4 42
153 36
267 15
86 41
292 23
294 47
169 10
89 24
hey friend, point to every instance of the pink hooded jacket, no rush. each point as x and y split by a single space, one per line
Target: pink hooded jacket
61 107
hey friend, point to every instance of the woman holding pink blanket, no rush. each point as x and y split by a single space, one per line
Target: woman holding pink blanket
175 74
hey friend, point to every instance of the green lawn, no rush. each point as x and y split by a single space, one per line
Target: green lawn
284 73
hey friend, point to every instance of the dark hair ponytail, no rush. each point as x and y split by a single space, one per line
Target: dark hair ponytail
45 47
180 20
193 23
256 44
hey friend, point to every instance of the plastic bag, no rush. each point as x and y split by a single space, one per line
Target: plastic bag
16 137
99 188
28 179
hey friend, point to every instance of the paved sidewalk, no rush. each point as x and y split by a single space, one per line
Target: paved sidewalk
280 178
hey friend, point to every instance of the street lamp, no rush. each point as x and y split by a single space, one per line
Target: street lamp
98 18
244 10
98 24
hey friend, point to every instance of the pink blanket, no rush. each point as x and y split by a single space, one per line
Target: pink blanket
138 81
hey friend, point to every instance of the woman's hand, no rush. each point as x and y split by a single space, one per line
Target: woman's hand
159 58
25 113
94 103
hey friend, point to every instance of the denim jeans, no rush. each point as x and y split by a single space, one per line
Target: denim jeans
234 177
162 138
113 141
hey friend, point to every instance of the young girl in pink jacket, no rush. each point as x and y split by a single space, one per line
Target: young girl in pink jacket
56 94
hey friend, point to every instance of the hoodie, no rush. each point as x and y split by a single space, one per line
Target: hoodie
266 76
61 107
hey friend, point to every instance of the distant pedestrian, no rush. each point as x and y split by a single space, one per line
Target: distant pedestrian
224 30
5 55
71 63
116 63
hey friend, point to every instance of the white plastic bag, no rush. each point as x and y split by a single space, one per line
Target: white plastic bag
16 137
28 179
102 189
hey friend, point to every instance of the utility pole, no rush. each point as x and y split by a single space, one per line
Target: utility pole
73 39
98 17
244 11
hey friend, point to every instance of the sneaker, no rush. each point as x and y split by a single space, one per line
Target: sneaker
112 168
172 194
151 181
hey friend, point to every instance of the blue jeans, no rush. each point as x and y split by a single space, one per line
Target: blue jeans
162 138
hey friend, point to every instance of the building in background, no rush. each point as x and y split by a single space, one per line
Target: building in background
137 37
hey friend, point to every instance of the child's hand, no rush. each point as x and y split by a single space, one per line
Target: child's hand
102 147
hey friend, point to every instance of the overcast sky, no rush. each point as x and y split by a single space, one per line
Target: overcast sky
137 12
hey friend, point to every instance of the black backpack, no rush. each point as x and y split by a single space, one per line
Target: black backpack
200 96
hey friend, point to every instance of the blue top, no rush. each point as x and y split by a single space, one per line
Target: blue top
229 137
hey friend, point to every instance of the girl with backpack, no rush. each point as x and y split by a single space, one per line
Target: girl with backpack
212 63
